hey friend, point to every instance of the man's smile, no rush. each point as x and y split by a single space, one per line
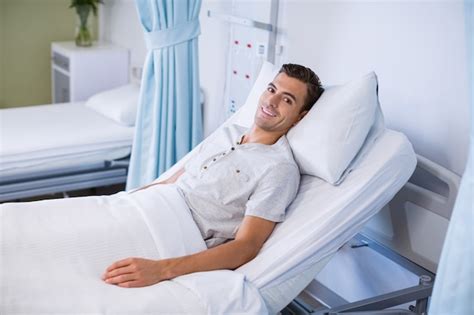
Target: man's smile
268 112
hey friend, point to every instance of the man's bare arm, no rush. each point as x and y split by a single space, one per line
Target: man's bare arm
138 272
170 180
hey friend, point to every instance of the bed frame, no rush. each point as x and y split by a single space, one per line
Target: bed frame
63 180
398 251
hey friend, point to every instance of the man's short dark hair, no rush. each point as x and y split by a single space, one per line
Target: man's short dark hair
307 76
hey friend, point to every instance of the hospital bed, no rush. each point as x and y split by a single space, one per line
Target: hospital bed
321 219
63 147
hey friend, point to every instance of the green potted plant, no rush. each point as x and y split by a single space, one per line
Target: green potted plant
83 9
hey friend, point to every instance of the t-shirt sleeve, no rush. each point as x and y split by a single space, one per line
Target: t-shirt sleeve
274 192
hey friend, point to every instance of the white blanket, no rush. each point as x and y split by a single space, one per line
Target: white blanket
54 252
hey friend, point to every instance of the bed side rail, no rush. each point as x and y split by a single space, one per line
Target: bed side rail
415 221
105 173
435 202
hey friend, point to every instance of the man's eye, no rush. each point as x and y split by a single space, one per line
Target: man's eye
270 89
287 100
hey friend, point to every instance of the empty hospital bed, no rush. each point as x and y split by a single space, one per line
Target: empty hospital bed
63 147
321 219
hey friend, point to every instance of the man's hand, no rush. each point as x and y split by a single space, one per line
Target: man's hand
139 272
135 272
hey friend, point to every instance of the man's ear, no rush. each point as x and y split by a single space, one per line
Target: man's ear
302 114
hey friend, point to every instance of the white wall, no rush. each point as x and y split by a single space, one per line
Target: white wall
213 46
417 49
119 24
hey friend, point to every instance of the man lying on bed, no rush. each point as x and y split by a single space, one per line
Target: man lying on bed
236 188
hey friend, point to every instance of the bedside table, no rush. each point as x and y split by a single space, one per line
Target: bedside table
77 73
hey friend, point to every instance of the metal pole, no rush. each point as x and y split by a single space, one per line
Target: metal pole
422 304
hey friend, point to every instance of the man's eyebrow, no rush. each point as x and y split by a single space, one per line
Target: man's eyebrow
286 93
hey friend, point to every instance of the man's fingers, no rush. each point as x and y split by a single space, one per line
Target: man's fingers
121 279
120 263
130 284
133 272
119 271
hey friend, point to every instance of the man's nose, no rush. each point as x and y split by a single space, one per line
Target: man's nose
274 100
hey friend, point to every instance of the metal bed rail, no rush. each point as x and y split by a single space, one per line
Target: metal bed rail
334 304
61 181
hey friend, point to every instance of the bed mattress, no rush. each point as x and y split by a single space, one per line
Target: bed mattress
69 135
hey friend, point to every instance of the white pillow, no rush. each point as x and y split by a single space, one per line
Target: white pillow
328 138
334 135
119 104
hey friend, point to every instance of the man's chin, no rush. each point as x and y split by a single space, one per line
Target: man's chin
265 125
262 123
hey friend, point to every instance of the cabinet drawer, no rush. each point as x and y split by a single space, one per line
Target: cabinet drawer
61 61
60 87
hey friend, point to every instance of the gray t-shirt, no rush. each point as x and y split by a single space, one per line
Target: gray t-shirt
226 181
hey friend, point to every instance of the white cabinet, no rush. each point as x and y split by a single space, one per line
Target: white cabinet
80 72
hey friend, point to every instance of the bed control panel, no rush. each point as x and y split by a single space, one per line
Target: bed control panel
251 41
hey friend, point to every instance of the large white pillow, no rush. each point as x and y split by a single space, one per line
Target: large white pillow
328 138
119 104
334 135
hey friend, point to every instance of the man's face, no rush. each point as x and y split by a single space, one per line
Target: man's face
279 107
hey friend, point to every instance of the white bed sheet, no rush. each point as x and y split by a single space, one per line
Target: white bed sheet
53 252
38 135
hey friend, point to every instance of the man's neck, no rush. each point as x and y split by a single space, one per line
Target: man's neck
258 135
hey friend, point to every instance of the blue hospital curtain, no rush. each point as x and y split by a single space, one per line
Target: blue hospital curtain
169 119
453 291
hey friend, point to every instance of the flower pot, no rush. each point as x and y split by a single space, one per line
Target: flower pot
83 27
